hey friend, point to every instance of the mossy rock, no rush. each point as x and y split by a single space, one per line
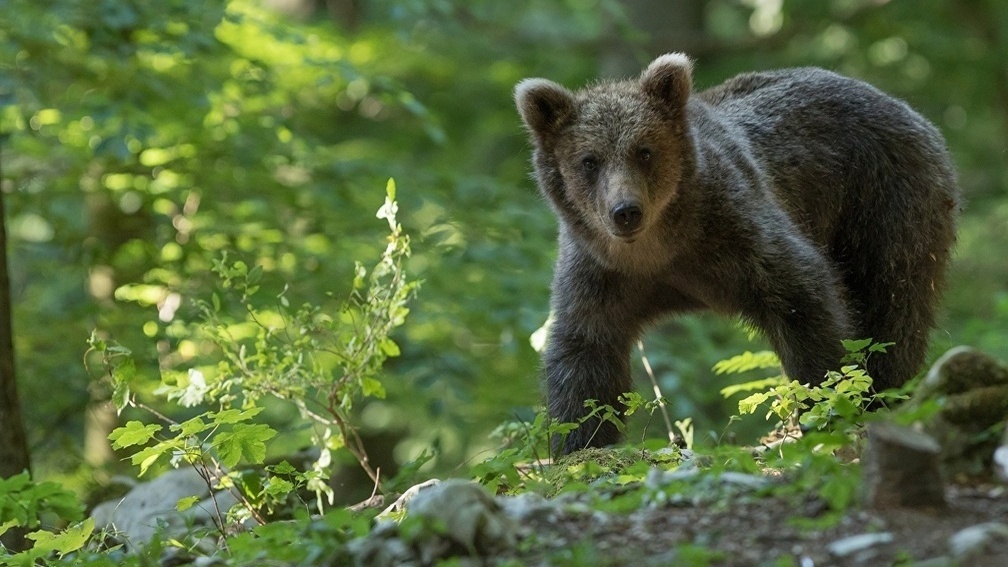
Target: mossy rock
971 389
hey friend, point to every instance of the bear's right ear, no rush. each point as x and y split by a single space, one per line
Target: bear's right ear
669 79
544 106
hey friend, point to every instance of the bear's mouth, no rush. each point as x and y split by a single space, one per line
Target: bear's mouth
627 236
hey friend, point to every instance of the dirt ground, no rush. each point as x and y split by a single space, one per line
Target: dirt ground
752 530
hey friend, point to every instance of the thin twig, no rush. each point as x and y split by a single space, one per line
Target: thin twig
657 392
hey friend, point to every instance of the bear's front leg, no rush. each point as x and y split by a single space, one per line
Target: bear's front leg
585 363
597 315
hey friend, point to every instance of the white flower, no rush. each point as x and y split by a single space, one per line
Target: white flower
194 392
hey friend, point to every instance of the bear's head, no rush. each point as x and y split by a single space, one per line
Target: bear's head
611 157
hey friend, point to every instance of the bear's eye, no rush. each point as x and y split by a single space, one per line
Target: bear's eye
644 155
589 164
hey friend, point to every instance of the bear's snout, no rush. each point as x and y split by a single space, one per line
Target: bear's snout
627 216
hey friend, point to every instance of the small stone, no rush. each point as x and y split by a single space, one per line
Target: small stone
849 546
745 480
1001 457
657 478
979 539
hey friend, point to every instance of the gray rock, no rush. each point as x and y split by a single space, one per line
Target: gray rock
150 506
858 544
977 540
1001 457
525 506
657 478
374 551
468 515
744 480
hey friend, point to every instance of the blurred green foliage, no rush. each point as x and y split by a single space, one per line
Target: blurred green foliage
143 139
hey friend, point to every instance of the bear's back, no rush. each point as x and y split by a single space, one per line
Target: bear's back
826 141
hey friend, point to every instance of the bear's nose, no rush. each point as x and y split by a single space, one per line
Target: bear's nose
627 215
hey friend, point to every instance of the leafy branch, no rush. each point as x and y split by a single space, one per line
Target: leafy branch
322 364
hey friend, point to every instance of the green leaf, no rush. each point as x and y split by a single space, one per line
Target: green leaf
389 347
15 483
69 540
633 401
193 426
148 456
764 384
279 487
747 361
123 376
283 467
96 343
231 416
246 441
185 503
749 404
880 347
133 433
390 189
360 272
124 372
254 275
119 349
120 396
372 388
856 345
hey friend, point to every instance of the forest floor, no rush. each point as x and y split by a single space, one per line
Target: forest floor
775 530
696 516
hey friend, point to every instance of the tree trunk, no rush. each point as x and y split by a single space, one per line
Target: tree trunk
13 446
901 468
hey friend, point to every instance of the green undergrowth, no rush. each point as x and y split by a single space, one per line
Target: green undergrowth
324 361
621 480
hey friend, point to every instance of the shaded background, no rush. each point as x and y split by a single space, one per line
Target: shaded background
142 139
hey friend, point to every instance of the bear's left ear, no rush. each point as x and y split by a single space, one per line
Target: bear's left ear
545 107
669 79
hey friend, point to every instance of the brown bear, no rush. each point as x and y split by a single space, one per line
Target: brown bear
812 205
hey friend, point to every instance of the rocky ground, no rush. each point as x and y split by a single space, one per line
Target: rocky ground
740 527
934 494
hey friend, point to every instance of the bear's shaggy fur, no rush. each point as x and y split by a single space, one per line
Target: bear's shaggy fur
813 205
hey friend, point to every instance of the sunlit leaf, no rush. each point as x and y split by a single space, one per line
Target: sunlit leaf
750 403
244 441
747 361
185 503
133 433
147 456
230 416
389 347
69 540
